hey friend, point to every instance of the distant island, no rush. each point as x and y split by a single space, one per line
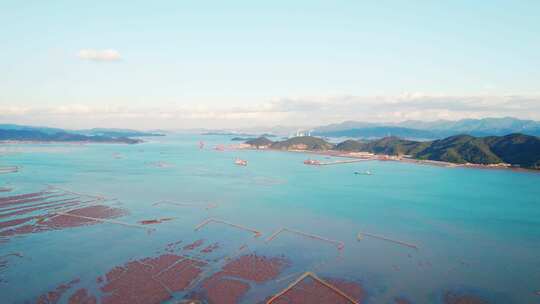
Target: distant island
20 133
516 150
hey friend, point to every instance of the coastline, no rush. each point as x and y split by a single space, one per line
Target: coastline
384 157
79 142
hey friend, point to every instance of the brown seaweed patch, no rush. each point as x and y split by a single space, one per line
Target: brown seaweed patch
16 222
180 275
193 245
453 298
53 297
255 268
220 290
26 229
50 203
47 206
311 289
227 286
401 301
210 248
134 284
149 280
81 296
74 218
23 198
99 211
155 221
83 216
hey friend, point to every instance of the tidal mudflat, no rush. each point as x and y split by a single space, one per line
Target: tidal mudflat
171 221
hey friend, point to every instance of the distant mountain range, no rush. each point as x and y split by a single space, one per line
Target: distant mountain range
431 130
515 149
45 134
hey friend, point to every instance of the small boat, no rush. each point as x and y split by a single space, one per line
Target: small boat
240 162
367 172
312 162
5 189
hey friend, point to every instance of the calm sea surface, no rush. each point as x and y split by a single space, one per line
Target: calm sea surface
477 231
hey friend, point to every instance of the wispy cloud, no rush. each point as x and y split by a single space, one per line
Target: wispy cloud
99 55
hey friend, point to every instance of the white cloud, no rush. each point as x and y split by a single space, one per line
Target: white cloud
298 111
13 110
99 55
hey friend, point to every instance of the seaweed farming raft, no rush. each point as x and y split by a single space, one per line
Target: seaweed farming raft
53 209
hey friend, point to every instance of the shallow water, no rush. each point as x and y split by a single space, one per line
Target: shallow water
477 231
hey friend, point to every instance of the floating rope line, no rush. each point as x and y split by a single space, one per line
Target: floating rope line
316 278
106 221
360 235
39 203
208 221
96 196
205 272
322 264
52 206
339 244
166 202
16 254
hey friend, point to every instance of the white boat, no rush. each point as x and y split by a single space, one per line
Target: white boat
367 172
240 162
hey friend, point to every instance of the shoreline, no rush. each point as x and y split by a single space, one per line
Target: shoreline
384 157
78 143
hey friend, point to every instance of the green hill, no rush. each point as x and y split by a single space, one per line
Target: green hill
260 142
516 149
303 143
460 149
352 146
388 145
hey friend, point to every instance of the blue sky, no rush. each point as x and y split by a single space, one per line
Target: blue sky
179 64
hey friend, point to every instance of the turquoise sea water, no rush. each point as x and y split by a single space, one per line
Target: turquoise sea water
478 231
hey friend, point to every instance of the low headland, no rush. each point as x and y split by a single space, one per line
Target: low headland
515 151
29 134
